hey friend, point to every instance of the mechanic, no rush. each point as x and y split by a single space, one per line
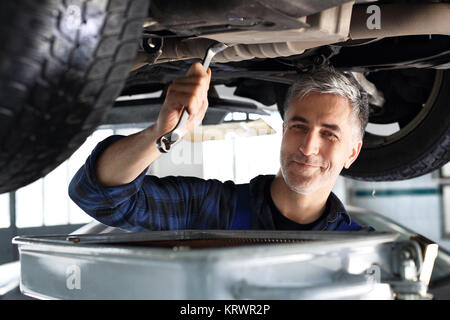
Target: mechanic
325 118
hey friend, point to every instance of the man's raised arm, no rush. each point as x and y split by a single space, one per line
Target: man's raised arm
124 160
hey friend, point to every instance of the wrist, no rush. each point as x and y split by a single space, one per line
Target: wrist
153 138
151 133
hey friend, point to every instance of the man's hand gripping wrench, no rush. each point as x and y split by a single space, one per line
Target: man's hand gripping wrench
165 142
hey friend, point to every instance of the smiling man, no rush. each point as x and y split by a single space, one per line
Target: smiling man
325 119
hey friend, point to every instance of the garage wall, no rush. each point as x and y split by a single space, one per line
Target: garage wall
416 203
183 160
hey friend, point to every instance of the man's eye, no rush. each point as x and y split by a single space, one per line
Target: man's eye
299 126
330 135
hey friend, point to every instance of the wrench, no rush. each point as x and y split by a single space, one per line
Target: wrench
165 142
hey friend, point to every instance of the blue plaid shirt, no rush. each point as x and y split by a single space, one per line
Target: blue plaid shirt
174 203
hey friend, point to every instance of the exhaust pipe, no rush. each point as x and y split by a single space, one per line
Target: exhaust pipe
329 26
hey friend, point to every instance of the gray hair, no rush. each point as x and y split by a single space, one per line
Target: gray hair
329 80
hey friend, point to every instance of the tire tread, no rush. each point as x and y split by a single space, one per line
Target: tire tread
62 97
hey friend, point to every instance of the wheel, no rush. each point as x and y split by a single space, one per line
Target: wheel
419 100
62 64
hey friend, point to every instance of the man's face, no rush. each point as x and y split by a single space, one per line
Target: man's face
318 141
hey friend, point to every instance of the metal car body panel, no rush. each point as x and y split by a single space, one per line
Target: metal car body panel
299 265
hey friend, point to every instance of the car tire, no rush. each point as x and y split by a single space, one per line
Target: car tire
422 145
62 64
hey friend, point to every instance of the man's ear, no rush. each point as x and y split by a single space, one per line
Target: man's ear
284 127
356 148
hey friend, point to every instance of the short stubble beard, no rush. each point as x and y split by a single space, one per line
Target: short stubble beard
299 189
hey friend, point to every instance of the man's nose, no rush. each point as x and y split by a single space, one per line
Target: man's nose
310 144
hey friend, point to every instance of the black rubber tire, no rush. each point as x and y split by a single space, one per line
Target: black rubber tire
62 64
421 151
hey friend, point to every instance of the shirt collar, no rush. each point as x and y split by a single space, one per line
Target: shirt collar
263 215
